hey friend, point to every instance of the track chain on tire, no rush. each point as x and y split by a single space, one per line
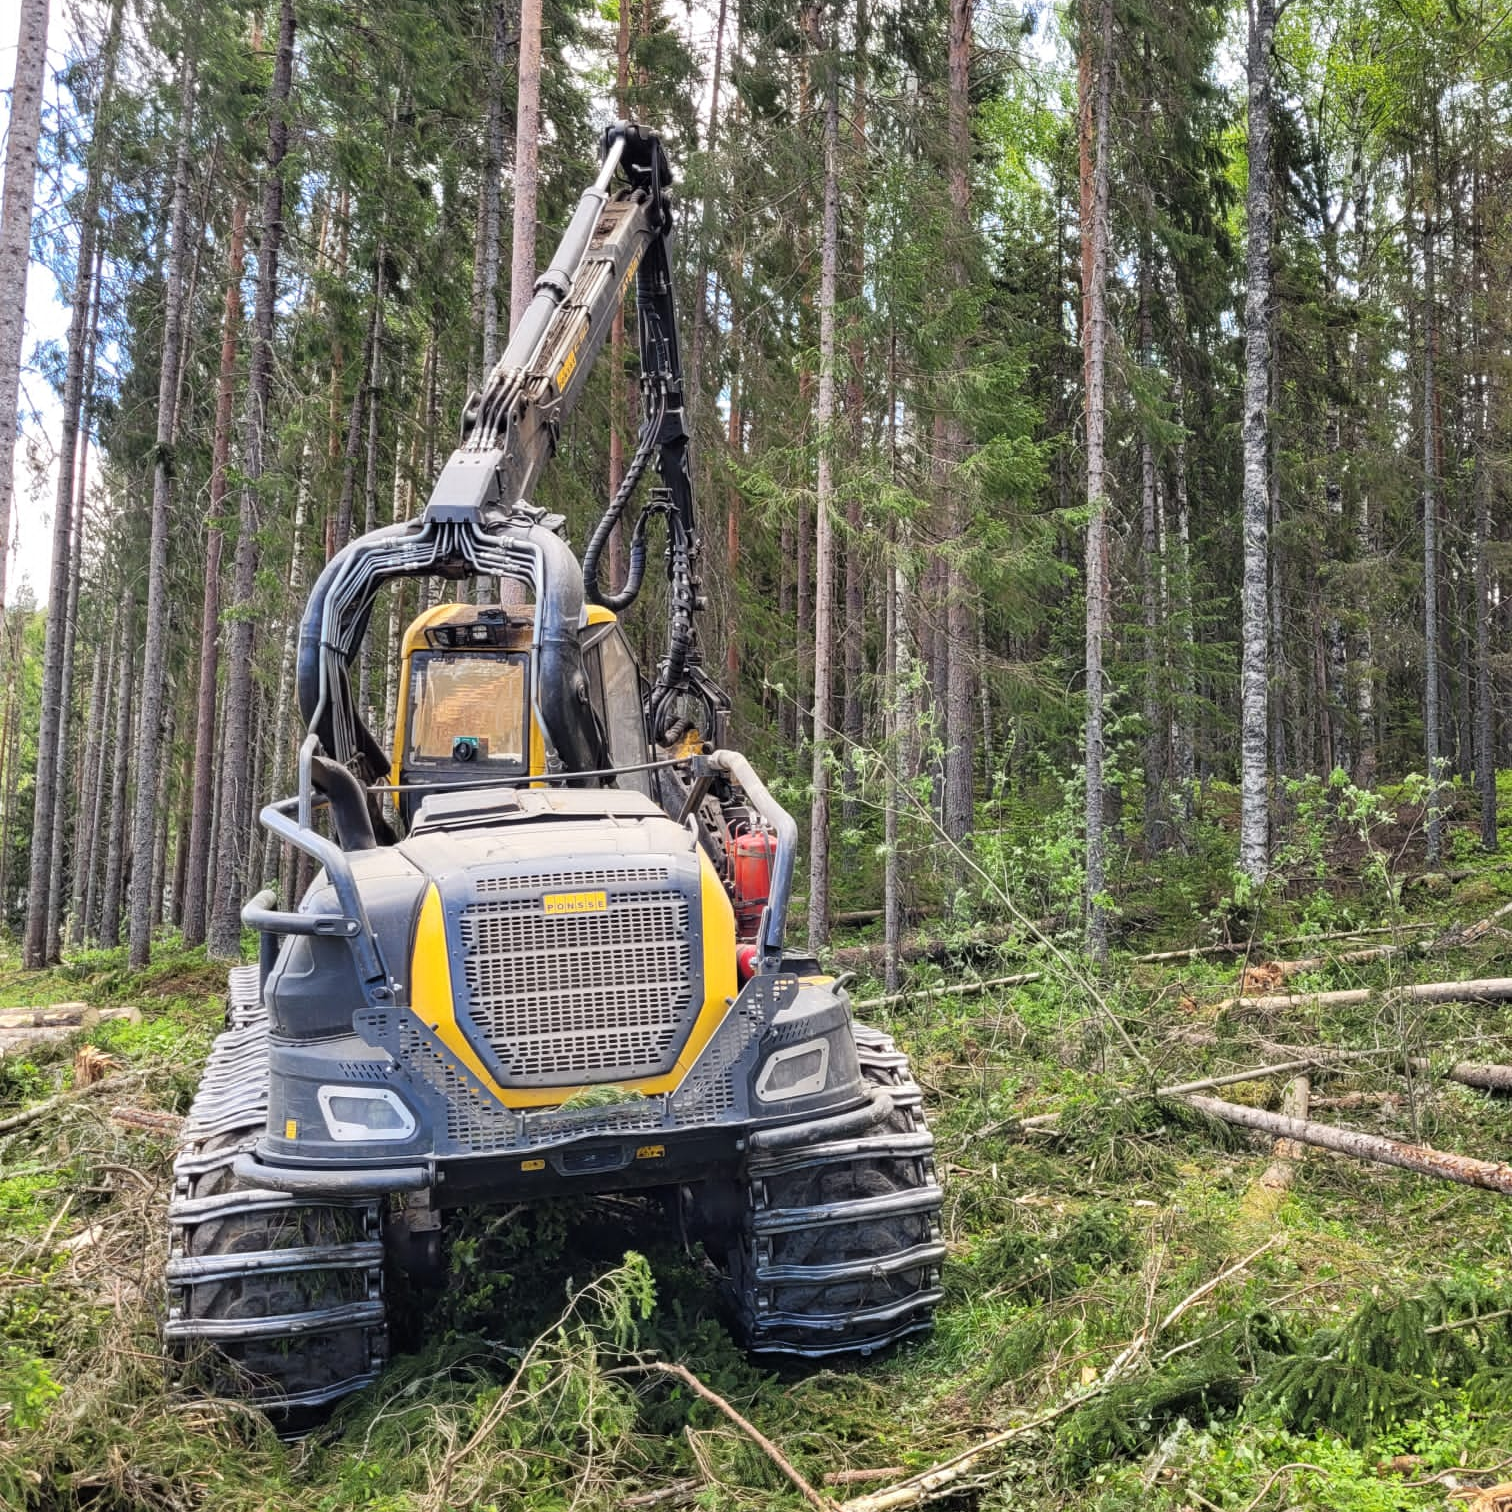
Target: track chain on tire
841 1247
272 1299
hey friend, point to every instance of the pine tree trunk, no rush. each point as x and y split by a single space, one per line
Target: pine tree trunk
891 900
61 816
487 300
1487 393
733 438
13 625
231 862
527 154
164 808
621 390
50 724
829 269
1254 821
369 495
360 395
86 924
1183 647
155 641
1434 828
1094 125
116 858
694 387
804 596
282 706
1365 760
894 670
24 128
853 635
88 823
960 607
203 781
1154 751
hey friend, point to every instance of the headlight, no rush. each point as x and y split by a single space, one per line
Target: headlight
797 1071
358 1113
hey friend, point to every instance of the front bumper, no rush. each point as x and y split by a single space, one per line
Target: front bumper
464 1140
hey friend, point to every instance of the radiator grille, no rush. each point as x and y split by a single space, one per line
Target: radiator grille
544 881
600 996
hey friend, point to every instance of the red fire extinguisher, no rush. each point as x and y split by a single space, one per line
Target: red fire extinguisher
752 855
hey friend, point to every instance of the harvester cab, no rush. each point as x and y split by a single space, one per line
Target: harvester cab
544 950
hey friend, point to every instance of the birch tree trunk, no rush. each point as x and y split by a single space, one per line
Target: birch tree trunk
829 267
1095 99
1254 816
527 153
203 781
155 641
50 724
15 241
230 870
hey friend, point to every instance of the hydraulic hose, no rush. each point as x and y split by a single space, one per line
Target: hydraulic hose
627 594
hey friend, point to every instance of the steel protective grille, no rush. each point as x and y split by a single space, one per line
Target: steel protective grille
545 881
603 996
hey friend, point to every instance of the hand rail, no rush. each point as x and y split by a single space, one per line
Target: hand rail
787 847
351 923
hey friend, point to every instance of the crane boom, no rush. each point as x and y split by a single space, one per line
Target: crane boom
481 518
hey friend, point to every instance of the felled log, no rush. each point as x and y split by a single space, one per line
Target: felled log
1487 1078
21 1028
960 989
984 943
1489 1175
148 1120
1477 990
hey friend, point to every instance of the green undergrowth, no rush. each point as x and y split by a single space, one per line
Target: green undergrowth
1168 1333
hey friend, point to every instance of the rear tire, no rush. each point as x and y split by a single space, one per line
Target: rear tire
272 1300
840 1246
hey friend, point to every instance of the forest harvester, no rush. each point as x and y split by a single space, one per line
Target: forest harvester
561 968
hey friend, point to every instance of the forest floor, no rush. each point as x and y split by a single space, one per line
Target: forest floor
1133 1317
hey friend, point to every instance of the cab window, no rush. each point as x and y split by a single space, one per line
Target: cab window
468 708
624 722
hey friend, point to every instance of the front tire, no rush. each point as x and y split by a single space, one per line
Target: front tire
273 1300
840 1247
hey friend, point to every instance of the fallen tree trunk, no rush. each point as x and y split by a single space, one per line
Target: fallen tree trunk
960 989
1474 1074
23 1028
1319 1062
63 1099
987 942
1245 947
1450 939
1491 1176
1263 1200
1478 990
